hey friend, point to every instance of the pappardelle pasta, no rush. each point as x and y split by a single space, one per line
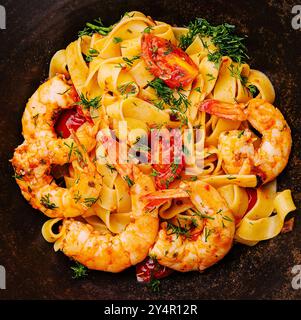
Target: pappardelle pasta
154 142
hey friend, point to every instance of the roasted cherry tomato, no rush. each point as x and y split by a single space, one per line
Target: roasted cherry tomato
168 62
252 194
150 269
69 119
166 173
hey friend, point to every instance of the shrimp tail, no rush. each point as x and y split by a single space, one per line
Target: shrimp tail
224 110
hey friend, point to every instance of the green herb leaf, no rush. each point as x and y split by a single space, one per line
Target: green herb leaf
130 61
241 134
95 27
177 101
89 202
87 104
222 36
91 55
117 40
45 202
154 285
129 181
79 271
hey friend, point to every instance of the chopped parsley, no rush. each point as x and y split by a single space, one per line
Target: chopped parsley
222 36
154 285
127 89
45 202
117 40
177 101
241 134
130 61
79 271
93 53
179 231
128 181
87 104
95 27
89 202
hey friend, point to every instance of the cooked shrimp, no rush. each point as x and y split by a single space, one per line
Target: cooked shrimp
203 247
32 163
40 115
239 153
114 253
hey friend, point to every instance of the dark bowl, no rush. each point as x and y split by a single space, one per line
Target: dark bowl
36 29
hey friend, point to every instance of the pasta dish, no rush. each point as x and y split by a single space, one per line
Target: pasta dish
154 146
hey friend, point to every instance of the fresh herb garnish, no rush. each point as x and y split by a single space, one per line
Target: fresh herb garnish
95 27
128 181
77 197
210 77
117 40
253 90
201 215
154 173
241 134
90 201
79 271
18 176
207 233
93 53
179 231
111 168
222 36
127 89
130 61
231 177
154 285
87 104
148 29
45 201
177 101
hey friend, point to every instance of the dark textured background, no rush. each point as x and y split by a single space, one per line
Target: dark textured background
36 29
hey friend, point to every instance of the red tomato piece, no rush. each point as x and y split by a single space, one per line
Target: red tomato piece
166 173
69 119
150 269
252 194
167 61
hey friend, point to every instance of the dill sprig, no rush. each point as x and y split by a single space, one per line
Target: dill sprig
154 285
179 231
95 27
79 271
222 36
176 99
130 61
127 89
93 53
45 202
87 104
89 202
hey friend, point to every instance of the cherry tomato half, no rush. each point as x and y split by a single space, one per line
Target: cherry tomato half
167 61
69 119
166 173
252 194
150 269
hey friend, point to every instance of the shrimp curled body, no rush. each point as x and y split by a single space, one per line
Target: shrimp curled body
238 149
42 148
213 240
114 253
